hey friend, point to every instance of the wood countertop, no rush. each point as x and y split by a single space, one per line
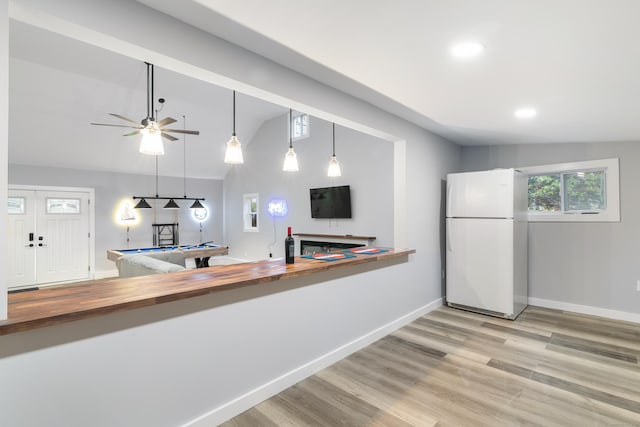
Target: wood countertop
60 304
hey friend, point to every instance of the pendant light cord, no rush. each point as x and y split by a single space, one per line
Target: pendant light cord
290 126
152 93
184 155
334 139
234 113
156 175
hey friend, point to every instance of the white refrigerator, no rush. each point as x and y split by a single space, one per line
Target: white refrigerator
486 247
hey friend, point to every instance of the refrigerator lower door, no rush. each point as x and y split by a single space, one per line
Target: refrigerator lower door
480 264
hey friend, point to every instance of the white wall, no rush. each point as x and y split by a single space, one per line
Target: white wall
588 263
111 188
367 167
164 370
4 147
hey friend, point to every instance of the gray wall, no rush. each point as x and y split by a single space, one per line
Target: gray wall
593 264
111 188
367 166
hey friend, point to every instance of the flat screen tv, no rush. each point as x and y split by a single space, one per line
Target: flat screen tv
331 202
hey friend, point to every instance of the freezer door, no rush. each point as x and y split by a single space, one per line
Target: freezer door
486 194
480 263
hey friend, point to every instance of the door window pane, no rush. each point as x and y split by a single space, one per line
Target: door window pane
63 206
17 205
584 191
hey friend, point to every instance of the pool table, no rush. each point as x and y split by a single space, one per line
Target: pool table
201 252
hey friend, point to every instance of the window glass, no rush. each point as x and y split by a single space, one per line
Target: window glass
300 126
544 193
63 206
16 205
584 191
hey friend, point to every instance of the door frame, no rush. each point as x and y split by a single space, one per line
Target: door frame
92 215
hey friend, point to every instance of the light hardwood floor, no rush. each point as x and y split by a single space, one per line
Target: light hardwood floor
455 368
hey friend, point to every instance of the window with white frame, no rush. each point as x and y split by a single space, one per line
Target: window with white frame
250 203
299 126
579 191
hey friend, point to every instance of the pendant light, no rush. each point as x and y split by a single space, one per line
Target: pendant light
233 156
171 204
334 166
290 159
151 134
142 204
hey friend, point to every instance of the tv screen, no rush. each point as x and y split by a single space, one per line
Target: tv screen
331 202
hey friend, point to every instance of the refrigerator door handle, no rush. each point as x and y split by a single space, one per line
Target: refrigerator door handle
448 232
448 212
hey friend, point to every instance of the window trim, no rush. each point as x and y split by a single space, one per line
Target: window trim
612 191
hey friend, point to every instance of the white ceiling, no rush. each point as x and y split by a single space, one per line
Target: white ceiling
59 85
576 61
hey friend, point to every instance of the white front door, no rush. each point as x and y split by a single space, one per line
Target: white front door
21 240
49 242
62 230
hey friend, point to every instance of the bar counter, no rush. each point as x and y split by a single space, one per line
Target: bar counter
65 303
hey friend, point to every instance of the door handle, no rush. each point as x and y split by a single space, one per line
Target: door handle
30 245
448 232
31 237
41 244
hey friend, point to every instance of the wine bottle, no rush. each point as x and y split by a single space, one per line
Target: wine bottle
289 247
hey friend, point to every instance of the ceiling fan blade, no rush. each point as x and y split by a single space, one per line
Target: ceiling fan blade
166 121
190 132
135 132
117 126
124 118
169 137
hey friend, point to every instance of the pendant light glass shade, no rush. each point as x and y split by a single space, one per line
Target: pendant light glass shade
290 159
233 156
171 204
142 204
196 205
334 166
151 140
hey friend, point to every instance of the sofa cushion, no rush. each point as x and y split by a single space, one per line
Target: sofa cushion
142 265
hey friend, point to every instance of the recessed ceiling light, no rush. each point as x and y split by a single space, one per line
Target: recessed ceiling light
525 113
467 50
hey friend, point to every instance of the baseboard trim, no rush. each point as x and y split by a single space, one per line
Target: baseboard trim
275 386
586 309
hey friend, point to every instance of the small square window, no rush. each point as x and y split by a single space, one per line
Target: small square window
299 126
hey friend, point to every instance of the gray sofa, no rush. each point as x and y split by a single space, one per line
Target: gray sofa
145 264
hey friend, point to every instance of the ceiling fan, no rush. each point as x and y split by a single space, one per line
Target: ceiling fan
151 129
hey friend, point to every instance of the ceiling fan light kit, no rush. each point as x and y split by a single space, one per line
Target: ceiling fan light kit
151 140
